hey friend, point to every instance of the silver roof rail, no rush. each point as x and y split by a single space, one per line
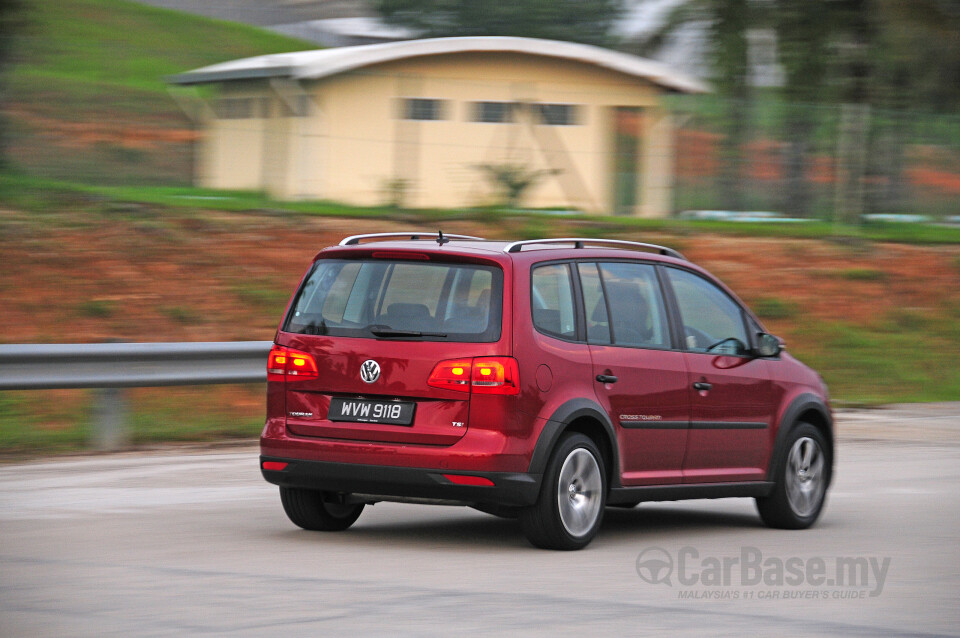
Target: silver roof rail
439 237
580 242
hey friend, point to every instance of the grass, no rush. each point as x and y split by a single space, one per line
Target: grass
906 356
90 78
97 308
24 429
862 274
61 421
182 314
106 62
898 358
90 48
266 294
44 195
773 308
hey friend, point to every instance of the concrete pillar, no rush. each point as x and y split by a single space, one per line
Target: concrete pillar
656 169
109 425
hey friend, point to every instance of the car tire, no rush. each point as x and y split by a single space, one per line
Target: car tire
309 510
802 475
569 509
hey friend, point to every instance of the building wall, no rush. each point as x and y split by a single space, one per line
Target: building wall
354 145
232 152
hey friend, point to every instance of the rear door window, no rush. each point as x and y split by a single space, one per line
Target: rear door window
369 298
551 301
637 315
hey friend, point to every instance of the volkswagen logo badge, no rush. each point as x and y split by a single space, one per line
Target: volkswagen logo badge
369 371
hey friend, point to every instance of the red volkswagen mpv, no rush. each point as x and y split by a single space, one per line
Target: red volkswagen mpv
542 380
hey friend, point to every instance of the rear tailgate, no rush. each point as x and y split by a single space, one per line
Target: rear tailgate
440 417
393 319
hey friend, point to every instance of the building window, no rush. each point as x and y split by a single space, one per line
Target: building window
422 109
557 114
242 108
235 108
493 112
264 108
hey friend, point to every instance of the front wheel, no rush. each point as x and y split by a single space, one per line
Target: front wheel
308 509
569 510
802 476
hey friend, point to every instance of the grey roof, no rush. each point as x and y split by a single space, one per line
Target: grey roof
322 63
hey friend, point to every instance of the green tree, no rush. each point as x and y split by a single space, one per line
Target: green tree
803 39
917 67
879 60
10 21
586 21
728 31
895 58
726 24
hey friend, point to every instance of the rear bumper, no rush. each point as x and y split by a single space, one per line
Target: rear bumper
509 488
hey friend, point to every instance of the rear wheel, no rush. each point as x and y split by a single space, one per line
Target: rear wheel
802 476
309 510
569 510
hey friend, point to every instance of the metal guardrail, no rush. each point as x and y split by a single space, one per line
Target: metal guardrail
109 367
131 365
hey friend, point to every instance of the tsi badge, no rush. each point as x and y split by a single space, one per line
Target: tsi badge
369 371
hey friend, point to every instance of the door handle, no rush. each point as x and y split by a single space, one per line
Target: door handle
606 378
703 386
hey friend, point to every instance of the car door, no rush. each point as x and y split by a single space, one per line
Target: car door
729 389
641 380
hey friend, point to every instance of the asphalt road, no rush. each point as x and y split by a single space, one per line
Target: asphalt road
192 542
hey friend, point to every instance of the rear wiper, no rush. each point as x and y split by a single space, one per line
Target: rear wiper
313 329
386 331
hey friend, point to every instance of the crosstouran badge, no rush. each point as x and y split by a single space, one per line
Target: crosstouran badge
369 371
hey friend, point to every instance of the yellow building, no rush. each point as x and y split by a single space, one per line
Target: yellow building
433 123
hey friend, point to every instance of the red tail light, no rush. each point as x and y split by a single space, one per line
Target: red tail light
452 374
483 375
286 362
277 363
496 375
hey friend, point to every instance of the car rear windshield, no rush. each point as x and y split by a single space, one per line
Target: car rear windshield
383 299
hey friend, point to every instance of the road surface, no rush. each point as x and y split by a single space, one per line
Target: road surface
193 542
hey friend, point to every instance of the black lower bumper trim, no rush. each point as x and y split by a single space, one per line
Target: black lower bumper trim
688 491
509 488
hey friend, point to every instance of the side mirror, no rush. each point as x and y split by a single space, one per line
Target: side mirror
767 345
